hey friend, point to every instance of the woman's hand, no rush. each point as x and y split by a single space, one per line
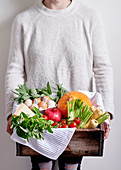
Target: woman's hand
9 125
107 129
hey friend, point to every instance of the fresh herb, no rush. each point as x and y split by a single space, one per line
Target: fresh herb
60 91
46 91
24 93
27 127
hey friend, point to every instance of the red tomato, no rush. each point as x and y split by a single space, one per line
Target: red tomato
63 122
73 125
59 126
45 117
77 120
65 126
54 124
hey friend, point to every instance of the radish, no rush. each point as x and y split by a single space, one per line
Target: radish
53 114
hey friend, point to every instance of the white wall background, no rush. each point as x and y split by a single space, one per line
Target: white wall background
111 13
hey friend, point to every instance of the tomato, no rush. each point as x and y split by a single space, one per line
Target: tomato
77 120
45 117
65 126
63 122
59 126
73 125
54 124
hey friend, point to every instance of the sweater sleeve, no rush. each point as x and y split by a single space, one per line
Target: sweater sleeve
15 70
102 65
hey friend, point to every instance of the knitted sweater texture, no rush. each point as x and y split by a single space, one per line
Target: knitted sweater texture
64 46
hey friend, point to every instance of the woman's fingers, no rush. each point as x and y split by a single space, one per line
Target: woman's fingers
107 130
8 126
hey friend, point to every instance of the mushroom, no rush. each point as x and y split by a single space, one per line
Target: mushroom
51 104
36 100
28 102
40 109
45 99
43 105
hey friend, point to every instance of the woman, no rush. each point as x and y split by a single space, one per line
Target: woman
61 41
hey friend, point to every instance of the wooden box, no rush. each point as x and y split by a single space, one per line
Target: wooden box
85 142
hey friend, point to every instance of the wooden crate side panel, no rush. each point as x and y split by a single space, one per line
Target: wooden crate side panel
22 150
84 144
101 144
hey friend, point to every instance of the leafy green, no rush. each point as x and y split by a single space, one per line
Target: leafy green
27 127
49 88
60 91
23 92
46 91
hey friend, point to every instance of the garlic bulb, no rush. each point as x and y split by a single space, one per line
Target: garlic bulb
36 100
41 109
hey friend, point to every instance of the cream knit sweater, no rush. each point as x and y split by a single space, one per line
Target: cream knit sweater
65 46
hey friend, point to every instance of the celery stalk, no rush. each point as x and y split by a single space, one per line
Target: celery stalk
78 106
81 105
85 112
68 108
72 102
103 118
84 121
80 109
71 113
